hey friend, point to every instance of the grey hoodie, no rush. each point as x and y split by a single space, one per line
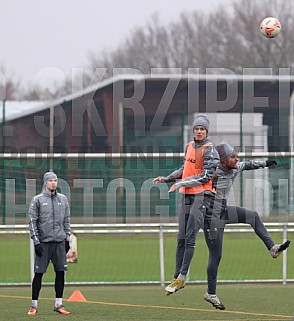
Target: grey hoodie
224 177
49 218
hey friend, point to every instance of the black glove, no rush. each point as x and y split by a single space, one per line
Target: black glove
270 163
67 247
38 249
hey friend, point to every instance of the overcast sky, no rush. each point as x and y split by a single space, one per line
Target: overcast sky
36 34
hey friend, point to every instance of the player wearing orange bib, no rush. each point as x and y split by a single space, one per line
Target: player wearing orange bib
193 180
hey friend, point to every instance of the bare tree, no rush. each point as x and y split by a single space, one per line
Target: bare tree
9 87
246 47
226 38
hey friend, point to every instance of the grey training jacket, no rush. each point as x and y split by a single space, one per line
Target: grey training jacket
224 177
49 218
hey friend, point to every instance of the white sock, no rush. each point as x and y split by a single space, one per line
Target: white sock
58 302
182 276
34 303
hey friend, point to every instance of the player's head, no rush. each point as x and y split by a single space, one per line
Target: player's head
50 182
200 127
228 157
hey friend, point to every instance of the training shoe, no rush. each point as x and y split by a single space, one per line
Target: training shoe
33 311
214 300
175 285
277 249
61 309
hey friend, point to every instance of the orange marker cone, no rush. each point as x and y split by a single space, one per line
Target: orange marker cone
77 297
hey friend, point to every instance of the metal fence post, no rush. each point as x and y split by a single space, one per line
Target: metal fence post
161 255
285 254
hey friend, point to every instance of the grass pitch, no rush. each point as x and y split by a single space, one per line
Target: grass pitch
149 303
131 258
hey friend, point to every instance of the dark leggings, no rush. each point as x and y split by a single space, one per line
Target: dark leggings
190 211
37 284
214 231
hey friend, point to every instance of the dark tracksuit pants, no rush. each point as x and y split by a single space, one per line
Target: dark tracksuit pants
191 211
214 231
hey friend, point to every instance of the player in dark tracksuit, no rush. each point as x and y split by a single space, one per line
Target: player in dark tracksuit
217 209
194 181
49 224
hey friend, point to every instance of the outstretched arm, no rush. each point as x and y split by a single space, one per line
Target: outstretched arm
172 177
255 164
177 174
